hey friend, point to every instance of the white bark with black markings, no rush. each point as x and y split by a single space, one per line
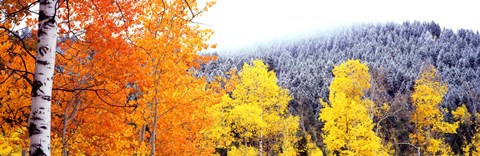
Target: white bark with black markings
40 115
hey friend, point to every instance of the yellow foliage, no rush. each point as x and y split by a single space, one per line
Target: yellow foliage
255 113
461 114
243 151
10 144
351 78
475 145
312 149
290 127
347 124
428 119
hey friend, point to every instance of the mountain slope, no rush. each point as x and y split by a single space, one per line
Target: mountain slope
395 54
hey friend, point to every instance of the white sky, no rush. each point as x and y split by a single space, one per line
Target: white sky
242 23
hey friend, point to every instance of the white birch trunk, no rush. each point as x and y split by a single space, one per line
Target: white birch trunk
40 115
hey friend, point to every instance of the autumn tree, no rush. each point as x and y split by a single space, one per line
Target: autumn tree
15 99
173 101
430 127
75 42
348 127
104 74
254 119
467 130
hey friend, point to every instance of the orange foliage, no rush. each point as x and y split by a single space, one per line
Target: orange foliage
173 96
116 58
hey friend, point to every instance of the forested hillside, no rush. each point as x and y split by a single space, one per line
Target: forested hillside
395 54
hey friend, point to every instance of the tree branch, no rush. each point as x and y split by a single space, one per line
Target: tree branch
24 46
191 11
113 105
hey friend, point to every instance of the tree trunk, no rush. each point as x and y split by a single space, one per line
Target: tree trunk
40 115
64 130
142 133
154 126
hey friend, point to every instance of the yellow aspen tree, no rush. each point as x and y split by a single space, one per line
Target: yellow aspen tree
428 119
461 115
348 127
475 145
255 116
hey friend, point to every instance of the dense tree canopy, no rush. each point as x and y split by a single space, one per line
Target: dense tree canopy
255 116
123 77
427 118
348 128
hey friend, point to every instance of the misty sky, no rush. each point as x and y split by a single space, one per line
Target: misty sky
242 23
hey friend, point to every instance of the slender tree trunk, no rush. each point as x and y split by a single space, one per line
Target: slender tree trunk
40 115
142 133
64 142
64 129
154 126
